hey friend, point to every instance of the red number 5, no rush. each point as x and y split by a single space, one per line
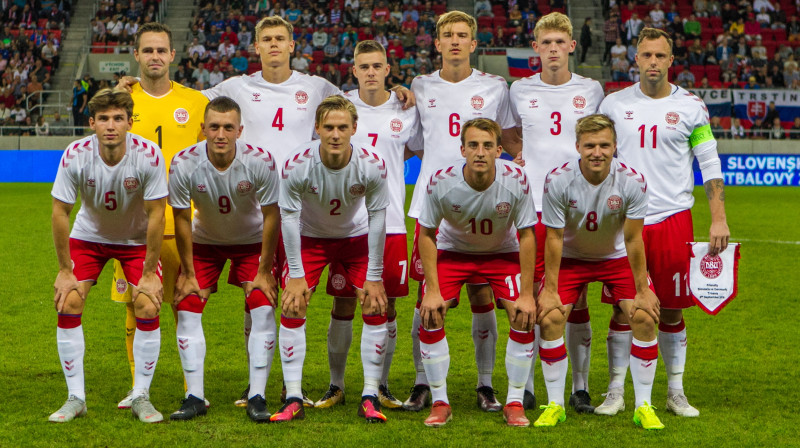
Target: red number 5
111 202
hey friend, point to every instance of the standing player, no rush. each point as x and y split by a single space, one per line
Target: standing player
594 210
446 99
234 188
661 129
385 128
546 107
479 207
121 181
169 114
324 186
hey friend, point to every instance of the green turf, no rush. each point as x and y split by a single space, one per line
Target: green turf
741 372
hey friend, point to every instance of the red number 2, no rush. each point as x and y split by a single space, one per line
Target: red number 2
336 204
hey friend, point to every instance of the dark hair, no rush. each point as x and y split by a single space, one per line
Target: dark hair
108 99
152 27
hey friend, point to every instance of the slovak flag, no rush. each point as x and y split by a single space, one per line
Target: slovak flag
523 62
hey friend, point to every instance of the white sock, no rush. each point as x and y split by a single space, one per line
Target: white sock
519 352
192 350
673 350
340 336
484 336
644 357
391 343
579 346
71 348
373 351
618 345
146 347
554 368
536 339
416 323
292 338
436 359
261 348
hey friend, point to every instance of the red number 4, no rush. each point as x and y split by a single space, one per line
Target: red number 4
277 122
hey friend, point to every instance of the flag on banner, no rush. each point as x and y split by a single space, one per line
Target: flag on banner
751 104
523 62
718 101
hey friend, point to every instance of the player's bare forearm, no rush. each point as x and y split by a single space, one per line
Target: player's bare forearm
634 246
272 223
183 239
374 299
295 297
511 140
549 299
527 260
154 209
719 233
60 223
428 255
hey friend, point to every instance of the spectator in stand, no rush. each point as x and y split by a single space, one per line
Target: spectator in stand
335 15
485 37
586 38
763 18
18 114
611 32
791 76
633 72
483 8
230 36
704 83
737 130
42 128
758 50
619 50
226 49
408 62
216 76
213 39
423 63
80 100
349 84
239 62
658 17
759 131
619 69
633 26
518 39
795 129
685 78
396 47
59 126
680 52
423 39
752 84
380 11
737 28
349 16
692 27
365 17
5 114
98 30
201 76
673 11
331 51
196 47
397 13
181 75
630 52
380 37
334 75
710 54
675 28
348 51
319 71
761 4
751 26
793 28
772 113
717 130
697 54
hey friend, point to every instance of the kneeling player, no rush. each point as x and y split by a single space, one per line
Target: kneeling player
481 205
123 188
234 188
325 186
594 211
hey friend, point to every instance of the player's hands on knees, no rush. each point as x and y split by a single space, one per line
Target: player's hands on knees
406 96
519 160
66 282
267 284
647 302
126 84
186 286
718 238
150 285
548 301
295 296
432 310
524 313
373 297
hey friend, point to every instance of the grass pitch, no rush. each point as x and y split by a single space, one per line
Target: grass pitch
741 372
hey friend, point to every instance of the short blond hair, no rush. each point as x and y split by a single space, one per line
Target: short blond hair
555 21
274 22
332 103
654 34
483 124
593 124
369 46
453 17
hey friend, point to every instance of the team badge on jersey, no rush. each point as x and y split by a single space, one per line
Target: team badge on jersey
201 188
503 209
131 183
456 208
533 104
181 115
614 202
579 102
256 97
396 125
90 182
573 203
711 267
476 102
301 97
357 190
432 102
244 187
338 282
629 115
672 118
121 286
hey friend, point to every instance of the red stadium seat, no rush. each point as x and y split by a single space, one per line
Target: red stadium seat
439 9
98 47
317 56
41 23
111 46
499 21
484 21
699 71
779 34
713 72
715 22
253 67
715 84
345 69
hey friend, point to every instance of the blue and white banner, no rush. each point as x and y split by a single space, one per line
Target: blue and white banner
717 101
757 170
751 104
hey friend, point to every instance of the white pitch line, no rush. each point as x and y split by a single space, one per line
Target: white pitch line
747 240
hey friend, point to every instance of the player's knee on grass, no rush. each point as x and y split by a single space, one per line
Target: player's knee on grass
479 295
144 307
344 306
671 317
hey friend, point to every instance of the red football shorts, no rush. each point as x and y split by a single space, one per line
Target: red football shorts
575 274
209 260
88 259
352 254
668 259
395 270
500 271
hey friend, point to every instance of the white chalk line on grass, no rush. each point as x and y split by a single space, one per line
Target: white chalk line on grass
747 240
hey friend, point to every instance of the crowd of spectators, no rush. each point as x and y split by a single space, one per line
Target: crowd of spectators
717 43
29 45
115 23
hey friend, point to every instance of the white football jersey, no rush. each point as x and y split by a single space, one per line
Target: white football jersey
329 200
386 129
278 117
479 222
227 203
547 115
653 136
443 107
112 197
593 216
